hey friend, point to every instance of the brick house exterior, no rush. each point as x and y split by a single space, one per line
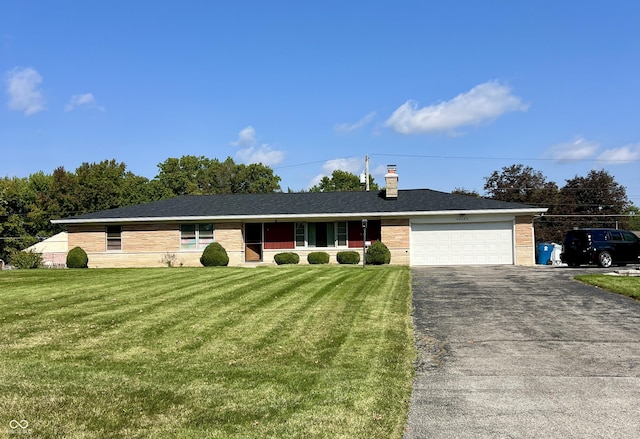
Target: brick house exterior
442 228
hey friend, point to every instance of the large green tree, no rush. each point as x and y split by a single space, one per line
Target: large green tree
63 197
254 178
342 181
23 218
192 175
108 184
521 184
27 205
596 200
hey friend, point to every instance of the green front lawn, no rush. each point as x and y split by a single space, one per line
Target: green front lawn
625 285
292 351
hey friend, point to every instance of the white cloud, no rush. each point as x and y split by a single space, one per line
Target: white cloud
264 154
85 101
619 156
355 165
22 88
577 149
352 164
250 153
482 104
246 137
347 128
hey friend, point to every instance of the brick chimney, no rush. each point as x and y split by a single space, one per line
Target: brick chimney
391 181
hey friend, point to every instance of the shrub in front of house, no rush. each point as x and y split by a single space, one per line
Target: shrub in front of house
77 258
378 254
318 258
25 259
349 257
286 258
214 255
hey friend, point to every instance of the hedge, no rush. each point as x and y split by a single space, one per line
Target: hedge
349 257
318 258
286 258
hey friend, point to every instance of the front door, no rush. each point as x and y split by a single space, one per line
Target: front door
253 242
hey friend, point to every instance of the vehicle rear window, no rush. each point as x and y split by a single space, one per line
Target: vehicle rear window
616 236
576 236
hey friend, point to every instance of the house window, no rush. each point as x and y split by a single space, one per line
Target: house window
301 234
321 234
195 236
114 238
341 233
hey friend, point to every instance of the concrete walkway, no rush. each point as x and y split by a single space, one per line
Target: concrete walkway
523 352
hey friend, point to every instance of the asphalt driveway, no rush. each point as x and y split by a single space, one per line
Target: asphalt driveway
523 352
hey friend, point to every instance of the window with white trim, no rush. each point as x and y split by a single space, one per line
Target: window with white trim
195 236
321 234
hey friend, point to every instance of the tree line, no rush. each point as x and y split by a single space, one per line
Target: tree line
28 204
595 200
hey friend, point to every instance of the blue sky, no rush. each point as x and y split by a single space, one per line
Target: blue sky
447 91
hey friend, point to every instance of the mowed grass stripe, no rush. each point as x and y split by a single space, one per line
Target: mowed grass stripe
126 307
132 321
377 338
274 352
284 310
292 388
232 303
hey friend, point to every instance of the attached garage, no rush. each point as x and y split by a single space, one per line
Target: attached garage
462 242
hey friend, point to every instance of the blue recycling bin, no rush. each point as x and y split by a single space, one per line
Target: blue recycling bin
544 253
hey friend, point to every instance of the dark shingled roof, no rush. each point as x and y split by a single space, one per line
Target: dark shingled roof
304 204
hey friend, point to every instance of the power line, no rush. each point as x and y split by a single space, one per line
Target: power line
550 159
445 157
297 165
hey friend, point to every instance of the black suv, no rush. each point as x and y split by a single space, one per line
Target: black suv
604 247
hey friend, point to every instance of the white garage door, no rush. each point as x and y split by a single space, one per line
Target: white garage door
462 243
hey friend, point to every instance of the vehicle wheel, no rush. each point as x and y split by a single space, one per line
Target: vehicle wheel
605 260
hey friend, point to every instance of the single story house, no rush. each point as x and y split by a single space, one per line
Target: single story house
419 226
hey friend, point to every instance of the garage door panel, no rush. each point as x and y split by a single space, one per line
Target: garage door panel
462 243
